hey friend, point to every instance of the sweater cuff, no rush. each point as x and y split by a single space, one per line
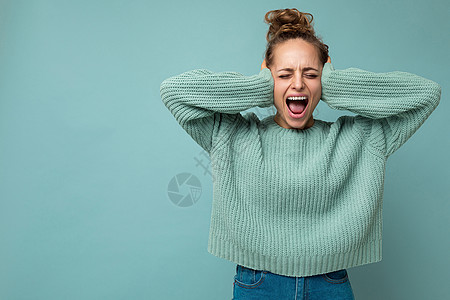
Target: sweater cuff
326 71
267 75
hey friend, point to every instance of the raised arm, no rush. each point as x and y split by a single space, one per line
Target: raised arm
390 106
201 100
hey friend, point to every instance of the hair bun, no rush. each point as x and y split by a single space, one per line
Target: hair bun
288 21
286 24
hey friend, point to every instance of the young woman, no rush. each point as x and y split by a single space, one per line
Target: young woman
298 200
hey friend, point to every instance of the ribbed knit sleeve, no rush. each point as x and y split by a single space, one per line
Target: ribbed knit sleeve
200 99
390 106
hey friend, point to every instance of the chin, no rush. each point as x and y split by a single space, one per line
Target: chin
288 123
299 124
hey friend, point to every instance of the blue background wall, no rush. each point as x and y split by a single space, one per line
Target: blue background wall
87 149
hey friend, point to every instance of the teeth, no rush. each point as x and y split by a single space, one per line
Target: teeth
296 98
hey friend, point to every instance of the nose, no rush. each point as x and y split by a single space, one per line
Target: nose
298 82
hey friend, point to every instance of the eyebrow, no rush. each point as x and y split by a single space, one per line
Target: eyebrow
304 69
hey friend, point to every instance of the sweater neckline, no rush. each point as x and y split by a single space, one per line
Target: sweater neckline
270 123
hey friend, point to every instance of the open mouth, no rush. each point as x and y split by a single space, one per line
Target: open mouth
297 105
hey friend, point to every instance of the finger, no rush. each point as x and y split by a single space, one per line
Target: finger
263 65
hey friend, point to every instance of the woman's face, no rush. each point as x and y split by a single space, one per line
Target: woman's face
297 73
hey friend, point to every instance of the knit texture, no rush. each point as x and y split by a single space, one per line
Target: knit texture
299 202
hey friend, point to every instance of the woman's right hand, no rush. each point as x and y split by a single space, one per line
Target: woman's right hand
263 65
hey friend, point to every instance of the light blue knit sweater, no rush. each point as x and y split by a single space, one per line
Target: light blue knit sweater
299 202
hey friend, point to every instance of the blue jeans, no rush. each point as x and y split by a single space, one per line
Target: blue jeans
261 285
